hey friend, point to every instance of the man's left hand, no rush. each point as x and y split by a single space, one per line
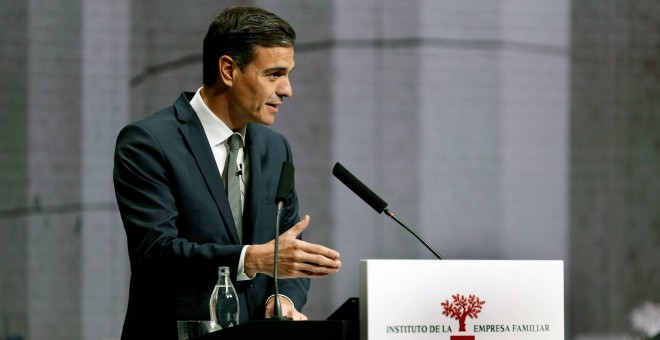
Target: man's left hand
287 309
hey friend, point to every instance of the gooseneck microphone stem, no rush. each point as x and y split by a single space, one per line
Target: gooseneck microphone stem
372 199
391 215
277 305
284 189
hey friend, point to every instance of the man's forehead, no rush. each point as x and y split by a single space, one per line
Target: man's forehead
274 57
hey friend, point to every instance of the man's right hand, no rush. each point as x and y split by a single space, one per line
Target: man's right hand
297 258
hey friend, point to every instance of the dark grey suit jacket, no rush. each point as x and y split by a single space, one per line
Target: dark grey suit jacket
179 224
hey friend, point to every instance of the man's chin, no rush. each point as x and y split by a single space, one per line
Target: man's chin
268 119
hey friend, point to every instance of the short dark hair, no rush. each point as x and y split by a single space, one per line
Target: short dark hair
236 32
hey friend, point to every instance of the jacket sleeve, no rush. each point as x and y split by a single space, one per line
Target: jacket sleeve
144 188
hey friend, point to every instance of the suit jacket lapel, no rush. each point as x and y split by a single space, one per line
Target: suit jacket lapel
255 151
193 133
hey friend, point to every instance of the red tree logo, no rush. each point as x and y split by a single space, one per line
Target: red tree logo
462 307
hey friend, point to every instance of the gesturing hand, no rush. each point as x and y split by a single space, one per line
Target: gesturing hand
297 258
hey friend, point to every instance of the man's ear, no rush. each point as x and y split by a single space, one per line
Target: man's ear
227 68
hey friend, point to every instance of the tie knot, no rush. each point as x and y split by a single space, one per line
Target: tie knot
235 142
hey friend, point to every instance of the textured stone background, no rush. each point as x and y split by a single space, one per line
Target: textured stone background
508 129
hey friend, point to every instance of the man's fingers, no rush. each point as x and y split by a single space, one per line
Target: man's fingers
297 316
308 247
304 269
322 260
302 259
309 254
291 312
297 228
305 274
317 249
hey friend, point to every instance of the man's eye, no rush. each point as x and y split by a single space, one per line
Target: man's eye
273 76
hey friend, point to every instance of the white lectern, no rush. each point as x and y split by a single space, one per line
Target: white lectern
461 300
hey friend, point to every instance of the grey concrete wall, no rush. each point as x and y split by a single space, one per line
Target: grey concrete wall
54 156
13 166
105 105
460 141
511 129
615 163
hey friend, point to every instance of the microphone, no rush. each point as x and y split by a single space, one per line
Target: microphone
282 197
359 188
285 184
373 200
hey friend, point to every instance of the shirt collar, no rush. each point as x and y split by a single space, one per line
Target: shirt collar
216 130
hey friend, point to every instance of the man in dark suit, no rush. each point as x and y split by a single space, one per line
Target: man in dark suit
171 172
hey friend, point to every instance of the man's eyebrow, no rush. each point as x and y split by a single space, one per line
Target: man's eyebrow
279 69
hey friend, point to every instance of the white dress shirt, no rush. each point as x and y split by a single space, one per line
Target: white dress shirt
218 134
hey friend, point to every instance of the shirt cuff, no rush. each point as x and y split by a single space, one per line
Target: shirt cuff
284 296
241 276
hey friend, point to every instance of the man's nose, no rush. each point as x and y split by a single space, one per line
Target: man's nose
285 89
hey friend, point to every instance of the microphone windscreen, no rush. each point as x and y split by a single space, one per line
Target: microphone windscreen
359 188
285 184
